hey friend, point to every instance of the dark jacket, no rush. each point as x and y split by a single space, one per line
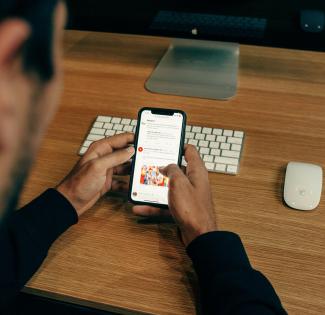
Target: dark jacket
228 283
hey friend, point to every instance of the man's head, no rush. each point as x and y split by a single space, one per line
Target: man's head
30 84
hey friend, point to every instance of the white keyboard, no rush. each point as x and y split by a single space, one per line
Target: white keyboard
220 149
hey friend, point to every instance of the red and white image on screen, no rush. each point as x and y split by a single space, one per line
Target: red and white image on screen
150 175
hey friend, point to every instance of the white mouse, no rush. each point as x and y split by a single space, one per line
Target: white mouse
303 185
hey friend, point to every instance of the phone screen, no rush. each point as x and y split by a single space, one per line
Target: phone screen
158 145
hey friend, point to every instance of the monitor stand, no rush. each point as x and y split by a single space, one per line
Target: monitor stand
197 68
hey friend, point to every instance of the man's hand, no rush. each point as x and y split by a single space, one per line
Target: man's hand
92 177
190 201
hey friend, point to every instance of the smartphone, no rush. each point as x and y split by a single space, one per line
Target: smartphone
159 141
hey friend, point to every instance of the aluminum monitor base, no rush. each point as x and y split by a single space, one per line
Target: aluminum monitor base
196 68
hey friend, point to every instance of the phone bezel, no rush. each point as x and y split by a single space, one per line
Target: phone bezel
160 111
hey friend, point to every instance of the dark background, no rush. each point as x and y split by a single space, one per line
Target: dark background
135 17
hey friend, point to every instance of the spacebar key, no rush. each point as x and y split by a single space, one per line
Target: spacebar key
223 160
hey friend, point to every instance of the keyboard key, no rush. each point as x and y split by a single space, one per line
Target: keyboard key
128 128
204 150
87 143
235 140
98 124
110 133
207 131
203 144
125 121
220 167
118 127
220 149
208 158
210 138
239 134
217 132
225 146
200 136
83 150
108 126
228 133
196 129
232 169
225 160
236 147
234 154
95 137
116 120
193 142
104 119
209 166
221 139
97 131
215 152
214 145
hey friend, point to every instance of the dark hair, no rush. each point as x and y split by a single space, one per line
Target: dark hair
39 14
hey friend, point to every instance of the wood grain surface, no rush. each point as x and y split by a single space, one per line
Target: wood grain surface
113 261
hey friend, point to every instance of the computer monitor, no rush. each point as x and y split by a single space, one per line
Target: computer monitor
202 61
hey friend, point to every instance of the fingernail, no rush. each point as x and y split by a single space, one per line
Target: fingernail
130 150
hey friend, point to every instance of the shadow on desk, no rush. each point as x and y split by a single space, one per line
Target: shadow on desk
31 304
189 279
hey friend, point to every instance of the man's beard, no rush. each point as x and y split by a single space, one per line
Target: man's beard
24 158
18 178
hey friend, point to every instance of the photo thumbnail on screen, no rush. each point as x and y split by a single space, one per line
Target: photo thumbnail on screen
150 175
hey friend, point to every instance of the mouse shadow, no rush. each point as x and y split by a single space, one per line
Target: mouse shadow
279 184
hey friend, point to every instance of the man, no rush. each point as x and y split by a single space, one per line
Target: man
30 83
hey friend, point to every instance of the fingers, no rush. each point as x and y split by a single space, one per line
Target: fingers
172 171
195 169
192 155
120 185
147 211
121 141
124 169
107 145
110 161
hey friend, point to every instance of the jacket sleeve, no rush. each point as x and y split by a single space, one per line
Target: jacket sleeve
228 283
26 237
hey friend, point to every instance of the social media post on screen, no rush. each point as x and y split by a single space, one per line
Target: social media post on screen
158 146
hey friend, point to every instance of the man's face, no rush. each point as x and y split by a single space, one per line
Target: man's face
26 106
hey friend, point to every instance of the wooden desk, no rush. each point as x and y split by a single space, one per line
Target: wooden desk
113 262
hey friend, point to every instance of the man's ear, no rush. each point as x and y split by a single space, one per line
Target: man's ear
13 34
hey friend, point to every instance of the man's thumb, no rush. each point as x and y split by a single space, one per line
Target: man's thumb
116 158
170 170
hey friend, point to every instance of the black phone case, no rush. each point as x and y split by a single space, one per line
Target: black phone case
180 154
